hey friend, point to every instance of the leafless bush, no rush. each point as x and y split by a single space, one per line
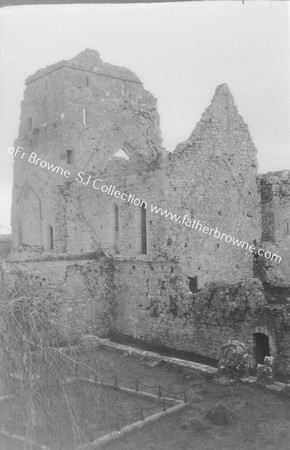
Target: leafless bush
36 369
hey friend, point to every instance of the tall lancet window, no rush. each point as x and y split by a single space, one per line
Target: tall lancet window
50 238
143 230
116 227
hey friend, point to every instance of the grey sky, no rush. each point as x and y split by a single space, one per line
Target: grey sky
180 51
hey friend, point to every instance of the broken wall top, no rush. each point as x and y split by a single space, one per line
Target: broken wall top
90 61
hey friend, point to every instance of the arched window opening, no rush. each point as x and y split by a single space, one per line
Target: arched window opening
261 347
117 227
143 230
50 238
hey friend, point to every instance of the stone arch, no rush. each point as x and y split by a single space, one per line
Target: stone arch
29 217
262 337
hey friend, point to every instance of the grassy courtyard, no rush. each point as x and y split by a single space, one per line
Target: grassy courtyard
259 419
237 417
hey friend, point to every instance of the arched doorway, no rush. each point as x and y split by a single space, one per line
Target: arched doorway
261 347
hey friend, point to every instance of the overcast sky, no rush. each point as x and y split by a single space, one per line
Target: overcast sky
181 52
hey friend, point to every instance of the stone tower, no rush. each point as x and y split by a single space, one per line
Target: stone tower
75 114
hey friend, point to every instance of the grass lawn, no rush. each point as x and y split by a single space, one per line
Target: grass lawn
97 409
260 419
253 418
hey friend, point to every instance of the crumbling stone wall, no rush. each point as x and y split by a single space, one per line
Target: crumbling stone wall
97 120
213 180
275 199
144 308
81 289
92 110
5 245
165 313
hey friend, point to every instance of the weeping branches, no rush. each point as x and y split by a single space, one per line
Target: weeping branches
35 368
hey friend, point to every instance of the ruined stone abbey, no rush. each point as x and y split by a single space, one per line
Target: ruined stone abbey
116 267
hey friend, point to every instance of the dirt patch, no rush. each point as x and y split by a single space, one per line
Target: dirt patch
220 415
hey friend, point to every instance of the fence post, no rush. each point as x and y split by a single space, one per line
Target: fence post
159 391
163 404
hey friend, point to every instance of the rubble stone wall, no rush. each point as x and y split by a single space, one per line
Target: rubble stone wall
82 289
275 199
159 279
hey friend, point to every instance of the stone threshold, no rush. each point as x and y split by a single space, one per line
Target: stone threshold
277 386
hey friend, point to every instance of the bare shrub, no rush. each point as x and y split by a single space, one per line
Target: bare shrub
220 415
36 370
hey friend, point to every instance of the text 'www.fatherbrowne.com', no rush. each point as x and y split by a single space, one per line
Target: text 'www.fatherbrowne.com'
196 225
185 220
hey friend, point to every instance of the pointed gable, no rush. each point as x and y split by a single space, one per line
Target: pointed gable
221 132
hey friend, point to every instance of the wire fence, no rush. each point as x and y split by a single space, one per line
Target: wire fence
84 400
157 389
135 384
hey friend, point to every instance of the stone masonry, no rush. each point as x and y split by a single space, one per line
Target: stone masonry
117 267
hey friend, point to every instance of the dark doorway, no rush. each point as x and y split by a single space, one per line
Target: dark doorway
261 347
193 284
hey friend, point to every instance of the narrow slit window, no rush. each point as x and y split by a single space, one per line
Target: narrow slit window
50 238
116 219
143 230
117 227
193 284
69 156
